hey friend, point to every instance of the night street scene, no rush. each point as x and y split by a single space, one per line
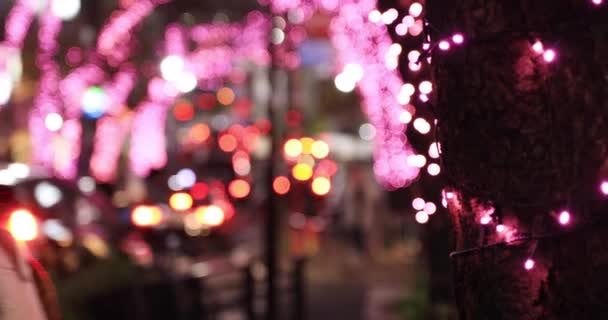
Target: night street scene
303 160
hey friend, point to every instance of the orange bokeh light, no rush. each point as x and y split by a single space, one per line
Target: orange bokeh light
180 201
281 185
199 133
320 149
293 148
211 216
22 225
307 145
302 171
239 188
227 142
321 186
225 96
146 216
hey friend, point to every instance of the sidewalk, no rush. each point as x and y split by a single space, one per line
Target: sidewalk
343 285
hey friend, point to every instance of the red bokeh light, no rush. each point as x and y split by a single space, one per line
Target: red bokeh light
183 111
294 118
199 191
264 125
206 101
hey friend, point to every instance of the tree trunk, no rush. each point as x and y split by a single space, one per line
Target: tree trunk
529 138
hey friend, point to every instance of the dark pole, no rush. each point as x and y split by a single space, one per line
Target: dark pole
272 213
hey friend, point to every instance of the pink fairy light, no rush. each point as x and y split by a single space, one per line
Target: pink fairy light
604 187
485 219
47 100
109 137
367 44
549 55
116 33
18 22
148 121
529 264
564 218
457 38
444 45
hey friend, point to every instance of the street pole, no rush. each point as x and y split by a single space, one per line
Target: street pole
272 211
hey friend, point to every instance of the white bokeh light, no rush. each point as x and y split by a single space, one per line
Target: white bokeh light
415 9
65 9
422 217
186 82
6 88
367 132
172 67
186 178
430 208
86 184
47 195
19 170
353 71
418 203
422 126
433 169
344 83
53 122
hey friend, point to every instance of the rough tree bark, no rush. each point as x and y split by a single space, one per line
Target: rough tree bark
529 138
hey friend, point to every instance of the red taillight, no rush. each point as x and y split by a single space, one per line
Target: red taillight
22 224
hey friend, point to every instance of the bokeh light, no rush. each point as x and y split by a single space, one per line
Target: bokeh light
183 110
225 96
422 217
302 171
22 225
418 203
199 191
293 148
211 216
281 185
307 143
53 122
321 186
180 201
239 188
199 133
94 102
227 142
65 9
320 149
146 216
172 67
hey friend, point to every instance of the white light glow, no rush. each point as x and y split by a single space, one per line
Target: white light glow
65 9
47 195
53 122
172 67
186 82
